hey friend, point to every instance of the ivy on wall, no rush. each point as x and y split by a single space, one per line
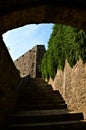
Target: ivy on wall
65 43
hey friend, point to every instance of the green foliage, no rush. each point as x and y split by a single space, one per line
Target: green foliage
65 43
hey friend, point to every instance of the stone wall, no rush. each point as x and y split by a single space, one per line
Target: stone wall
72 85
40 53
9 79
30 62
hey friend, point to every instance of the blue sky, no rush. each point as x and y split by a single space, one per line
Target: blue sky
22 39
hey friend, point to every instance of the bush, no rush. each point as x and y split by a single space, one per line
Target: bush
65 43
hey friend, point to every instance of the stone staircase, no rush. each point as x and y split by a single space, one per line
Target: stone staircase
39 106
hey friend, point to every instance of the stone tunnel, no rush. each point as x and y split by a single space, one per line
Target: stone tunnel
14 14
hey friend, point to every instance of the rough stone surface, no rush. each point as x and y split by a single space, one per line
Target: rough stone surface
9 75
9 80
72 85
30 62
14 14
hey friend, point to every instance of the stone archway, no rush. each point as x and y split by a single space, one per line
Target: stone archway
14 13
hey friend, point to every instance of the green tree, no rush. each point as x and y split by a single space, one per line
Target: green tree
65 43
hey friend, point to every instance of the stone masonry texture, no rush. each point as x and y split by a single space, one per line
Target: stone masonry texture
16 13
9 80
30 62
72 86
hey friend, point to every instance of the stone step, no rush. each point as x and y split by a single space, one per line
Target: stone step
41 106
39 88
42 86
35 94
38 93
35 98
67 125
37 80
42 102
40 98
47 91
41 116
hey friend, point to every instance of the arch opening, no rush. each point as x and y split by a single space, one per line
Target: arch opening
20 40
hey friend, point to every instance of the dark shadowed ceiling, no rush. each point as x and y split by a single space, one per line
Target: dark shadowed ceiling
16 13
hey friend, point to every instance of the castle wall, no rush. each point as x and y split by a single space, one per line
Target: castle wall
72 85
30 62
